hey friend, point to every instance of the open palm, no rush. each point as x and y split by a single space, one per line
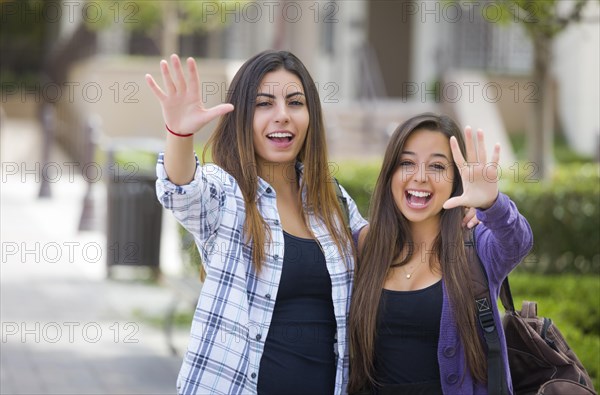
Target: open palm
181 100
479 177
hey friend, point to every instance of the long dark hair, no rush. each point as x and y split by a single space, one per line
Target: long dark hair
389 235
232 145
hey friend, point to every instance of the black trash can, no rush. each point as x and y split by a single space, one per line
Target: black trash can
134 216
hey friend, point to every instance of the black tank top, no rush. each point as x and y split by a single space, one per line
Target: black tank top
299 353
408 327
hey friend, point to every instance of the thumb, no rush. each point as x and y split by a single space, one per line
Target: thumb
220 109
453 202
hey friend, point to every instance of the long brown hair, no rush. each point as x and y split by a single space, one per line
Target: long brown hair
389 234
232 145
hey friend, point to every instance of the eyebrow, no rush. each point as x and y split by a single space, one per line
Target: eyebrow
270 96
434 155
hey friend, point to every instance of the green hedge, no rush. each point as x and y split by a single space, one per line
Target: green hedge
564 213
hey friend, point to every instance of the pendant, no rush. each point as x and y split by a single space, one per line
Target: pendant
408 276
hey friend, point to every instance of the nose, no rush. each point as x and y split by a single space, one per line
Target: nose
420 173
282 116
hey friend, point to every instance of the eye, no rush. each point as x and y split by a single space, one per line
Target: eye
407 164
263 104
296 103
438 166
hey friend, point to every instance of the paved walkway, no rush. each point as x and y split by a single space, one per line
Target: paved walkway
65 329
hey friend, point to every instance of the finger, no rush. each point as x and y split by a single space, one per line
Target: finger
453 202
481 154
471 154
179 77
194 78
465 221
468 223
473 221
469 214
216 111
160 95
219 110
496 153
456 153
166 75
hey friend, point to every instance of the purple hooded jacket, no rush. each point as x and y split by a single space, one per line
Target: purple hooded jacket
503 238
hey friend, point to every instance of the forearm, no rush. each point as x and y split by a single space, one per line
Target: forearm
505 237
180 163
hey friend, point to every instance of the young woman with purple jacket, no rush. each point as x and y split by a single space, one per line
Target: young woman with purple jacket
413 327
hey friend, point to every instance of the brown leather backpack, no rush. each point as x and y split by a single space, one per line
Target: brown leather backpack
541 362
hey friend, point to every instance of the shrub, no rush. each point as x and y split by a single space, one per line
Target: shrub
564 215
359 181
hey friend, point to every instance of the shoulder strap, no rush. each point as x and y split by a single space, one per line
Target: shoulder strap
485 317
343 202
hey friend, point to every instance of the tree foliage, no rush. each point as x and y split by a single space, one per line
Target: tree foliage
145 16
545 18
165 21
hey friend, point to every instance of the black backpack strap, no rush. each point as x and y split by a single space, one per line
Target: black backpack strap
506 296
485 317
343 203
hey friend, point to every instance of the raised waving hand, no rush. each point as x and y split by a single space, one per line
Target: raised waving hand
180 100
479 177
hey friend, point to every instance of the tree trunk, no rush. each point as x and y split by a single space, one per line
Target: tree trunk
169 44
541 135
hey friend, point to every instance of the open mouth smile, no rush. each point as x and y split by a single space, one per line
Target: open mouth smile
417 199
280 136
281 139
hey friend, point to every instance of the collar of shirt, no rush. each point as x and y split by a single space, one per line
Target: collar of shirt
265 188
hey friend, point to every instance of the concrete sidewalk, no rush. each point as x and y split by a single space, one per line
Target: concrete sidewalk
65 328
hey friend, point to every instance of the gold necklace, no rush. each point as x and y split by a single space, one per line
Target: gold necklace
409 275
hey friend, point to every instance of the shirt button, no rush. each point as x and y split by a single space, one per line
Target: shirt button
452 378
258 337
268 190
268 296
253 375
449 351
276 222
276 257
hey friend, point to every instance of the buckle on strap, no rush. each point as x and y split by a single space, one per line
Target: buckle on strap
486 320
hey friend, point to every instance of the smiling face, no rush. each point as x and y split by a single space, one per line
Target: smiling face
424 178
280 118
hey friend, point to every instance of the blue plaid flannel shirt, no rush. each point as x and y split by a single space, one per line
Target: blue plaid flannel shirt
236 304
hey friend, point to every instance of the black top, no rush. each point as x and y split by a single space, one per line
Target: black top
408 329
299 353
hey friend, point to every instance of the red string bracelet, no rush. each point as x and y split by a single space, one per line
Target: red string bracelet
177 134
